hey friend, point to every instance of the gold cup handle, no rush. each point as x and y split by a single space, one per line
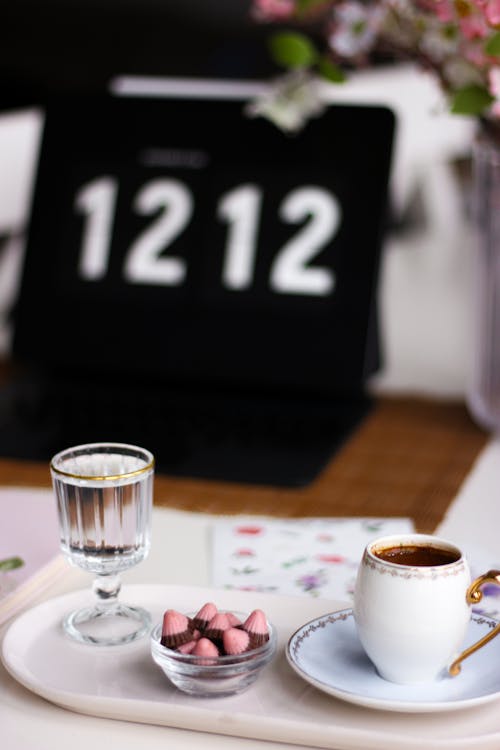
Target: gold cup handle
473 596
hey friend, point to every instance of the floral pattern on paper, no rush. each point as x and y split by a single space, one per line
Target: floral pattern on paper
244 552
249 530
313 557
331 558
312 583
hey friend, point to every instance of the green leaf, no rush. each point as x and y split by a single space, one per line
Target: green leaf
330 71
304 5
10 564
492 46
471 100
291 49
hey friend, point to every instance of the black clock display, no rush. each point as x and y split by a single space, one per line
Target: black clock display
210 237
174 239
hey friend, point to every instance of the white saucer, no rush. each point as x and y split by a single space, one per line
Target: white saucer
326 652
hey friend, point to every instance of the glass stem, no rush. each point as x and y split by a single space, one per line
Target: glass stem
106 588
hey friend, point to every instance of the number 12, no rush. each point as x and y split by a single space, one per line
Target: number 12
240 209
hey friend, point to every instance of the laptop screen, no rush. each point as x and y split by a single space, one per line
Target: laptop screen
174 237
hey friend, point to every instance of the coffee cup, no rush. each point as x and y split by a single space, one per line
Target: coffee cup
412 606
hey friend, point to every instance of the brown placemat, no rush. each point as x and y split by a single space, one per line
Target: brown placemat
408 458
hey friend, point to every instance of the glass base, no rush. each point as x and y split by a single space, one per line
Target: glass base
108 626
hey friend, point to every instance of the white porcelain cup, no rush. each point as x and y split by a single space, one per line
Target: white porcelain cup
412 606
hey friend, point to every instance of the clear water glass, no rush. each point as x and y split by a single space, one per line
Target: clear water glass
104 495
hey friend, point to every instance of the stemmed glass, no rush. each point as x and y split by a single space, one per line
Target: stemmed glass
104 495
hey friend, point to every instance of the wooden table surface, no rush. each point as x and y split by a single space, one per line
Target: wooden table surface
408 458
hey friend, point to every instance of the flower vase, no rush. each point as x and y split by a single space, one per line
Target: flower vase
483 395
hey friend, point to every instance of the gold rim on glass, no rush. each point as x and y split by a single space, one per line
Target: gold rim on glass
110 477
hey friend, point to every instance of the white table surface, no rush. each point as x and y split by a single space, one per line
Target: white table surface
181 554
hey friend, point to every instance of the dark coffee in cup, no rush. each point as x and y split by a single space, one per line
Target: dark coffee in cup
424 555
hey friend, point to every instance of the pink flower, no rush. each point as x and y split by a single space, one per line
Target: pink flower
445 10
249 530
324 537
473 26
335 559
492 12
494 82
475 56
273 10
469 16
494 89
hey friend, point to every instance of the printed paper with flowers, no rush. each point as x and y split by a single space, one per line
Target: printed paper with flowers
310 557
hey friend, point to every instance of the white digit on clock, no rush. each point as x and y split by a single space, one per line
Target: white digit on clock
289 271
143 264
241 208
97 201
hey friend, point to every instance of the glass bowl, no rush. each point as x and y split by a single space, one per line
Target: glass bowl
223 675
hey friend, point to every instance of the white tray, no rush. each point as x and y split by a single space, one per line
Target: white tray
124 683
